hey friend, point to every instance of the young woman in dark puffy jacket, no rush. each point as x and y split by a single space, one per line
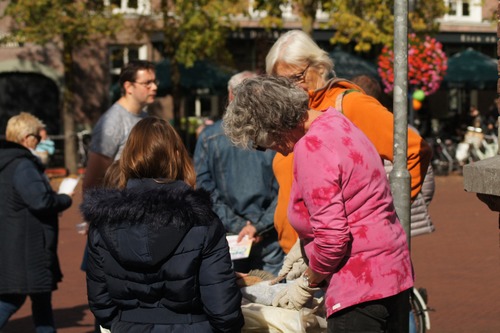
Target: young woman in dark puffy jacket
158 257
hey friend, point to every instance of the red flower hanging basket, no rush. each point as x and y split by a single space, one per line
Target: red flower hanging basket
427 64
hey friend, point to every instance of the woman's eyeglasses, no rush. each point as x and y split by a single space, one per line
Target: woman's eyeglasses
259 148
257 140
36 136
299 78
255 145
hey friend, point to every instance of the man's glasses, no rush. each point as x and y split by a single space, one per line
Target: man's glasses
148 84
299 78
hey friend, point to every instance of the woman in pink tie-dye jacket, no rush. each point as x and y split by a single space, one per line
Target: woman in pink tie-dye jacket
341 206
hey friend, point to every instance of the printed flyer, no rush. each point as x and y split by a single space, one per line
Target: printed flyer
239 250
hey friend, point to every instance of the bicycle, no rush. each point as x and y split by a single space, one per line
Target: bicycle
83 138
443 161
476 146
420 310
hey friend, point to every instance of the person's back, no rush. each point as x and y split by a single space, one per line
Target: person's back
243 189
158 257
151 264
237 176
421 222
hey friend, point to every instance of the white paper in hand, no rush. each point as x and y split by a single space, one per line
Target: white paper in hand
68 185
239 250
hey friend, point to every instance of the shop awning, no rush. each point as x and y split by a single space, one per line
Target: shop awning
348 65
471 69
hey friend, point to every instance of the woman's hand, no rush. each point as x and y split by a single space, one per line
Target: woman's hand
240 275
295 296
293 264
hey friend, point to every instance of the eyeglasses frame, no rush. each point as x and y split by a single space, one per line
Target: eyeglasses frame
301 77
255 145
148 84
38 137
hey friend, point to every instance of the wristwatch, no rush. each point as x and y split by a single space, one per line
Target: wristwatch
308 283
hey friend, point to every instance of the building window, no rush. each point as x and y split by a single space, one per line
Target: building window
452 8
459 8
464 10
121 55
130 6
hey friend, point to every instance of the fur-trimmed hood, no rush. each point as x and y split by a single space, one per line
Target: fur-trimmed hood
143 224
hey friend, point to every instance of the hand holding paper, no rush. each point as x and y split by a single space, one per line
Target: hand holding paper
68 185
241 249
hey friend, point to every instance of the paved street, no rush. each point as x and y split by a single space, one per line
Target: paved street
458 264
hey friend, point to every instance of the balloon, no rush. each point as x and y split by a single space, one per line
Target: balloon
416 105
419 95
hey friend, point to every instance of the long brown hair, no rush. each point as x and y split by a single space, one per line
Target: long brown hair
155 150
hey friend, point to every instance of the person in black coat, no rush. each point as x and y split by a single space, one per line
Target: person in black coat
29 225
158 257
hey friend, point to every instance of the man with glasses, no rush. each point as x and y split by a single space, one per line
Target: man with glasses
138 86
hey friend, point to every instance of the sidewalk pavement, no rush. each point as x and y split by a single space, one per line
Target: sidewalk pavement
458 264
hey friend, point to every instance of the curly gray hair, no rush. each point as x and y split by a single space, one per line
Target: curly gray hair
263 110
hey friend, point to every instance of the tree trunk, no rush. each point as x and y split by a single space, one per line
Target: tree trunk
68 112
308 9
171 40
176 91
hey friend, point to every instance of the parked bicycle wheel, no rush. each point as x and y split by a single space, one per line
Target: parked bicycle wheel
419 312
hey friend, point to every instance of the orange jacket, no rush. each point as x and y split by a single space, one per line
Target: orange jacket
376 122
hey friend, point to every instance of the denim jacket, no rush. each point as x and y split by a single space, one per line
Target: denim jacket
241 181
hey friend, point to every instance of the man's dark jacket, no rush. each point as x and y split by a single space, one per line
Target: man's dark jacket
159 260
29 227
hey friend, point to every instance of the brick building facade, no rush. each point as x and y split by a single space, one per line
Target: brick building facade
33 73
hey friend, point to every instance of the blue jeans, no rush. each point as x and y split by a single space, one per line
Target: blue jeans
369 317
41 309
266 255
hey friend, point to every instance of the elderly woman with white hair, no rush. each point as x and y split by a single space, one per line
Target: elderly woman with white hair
296 56
340 206
29 225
